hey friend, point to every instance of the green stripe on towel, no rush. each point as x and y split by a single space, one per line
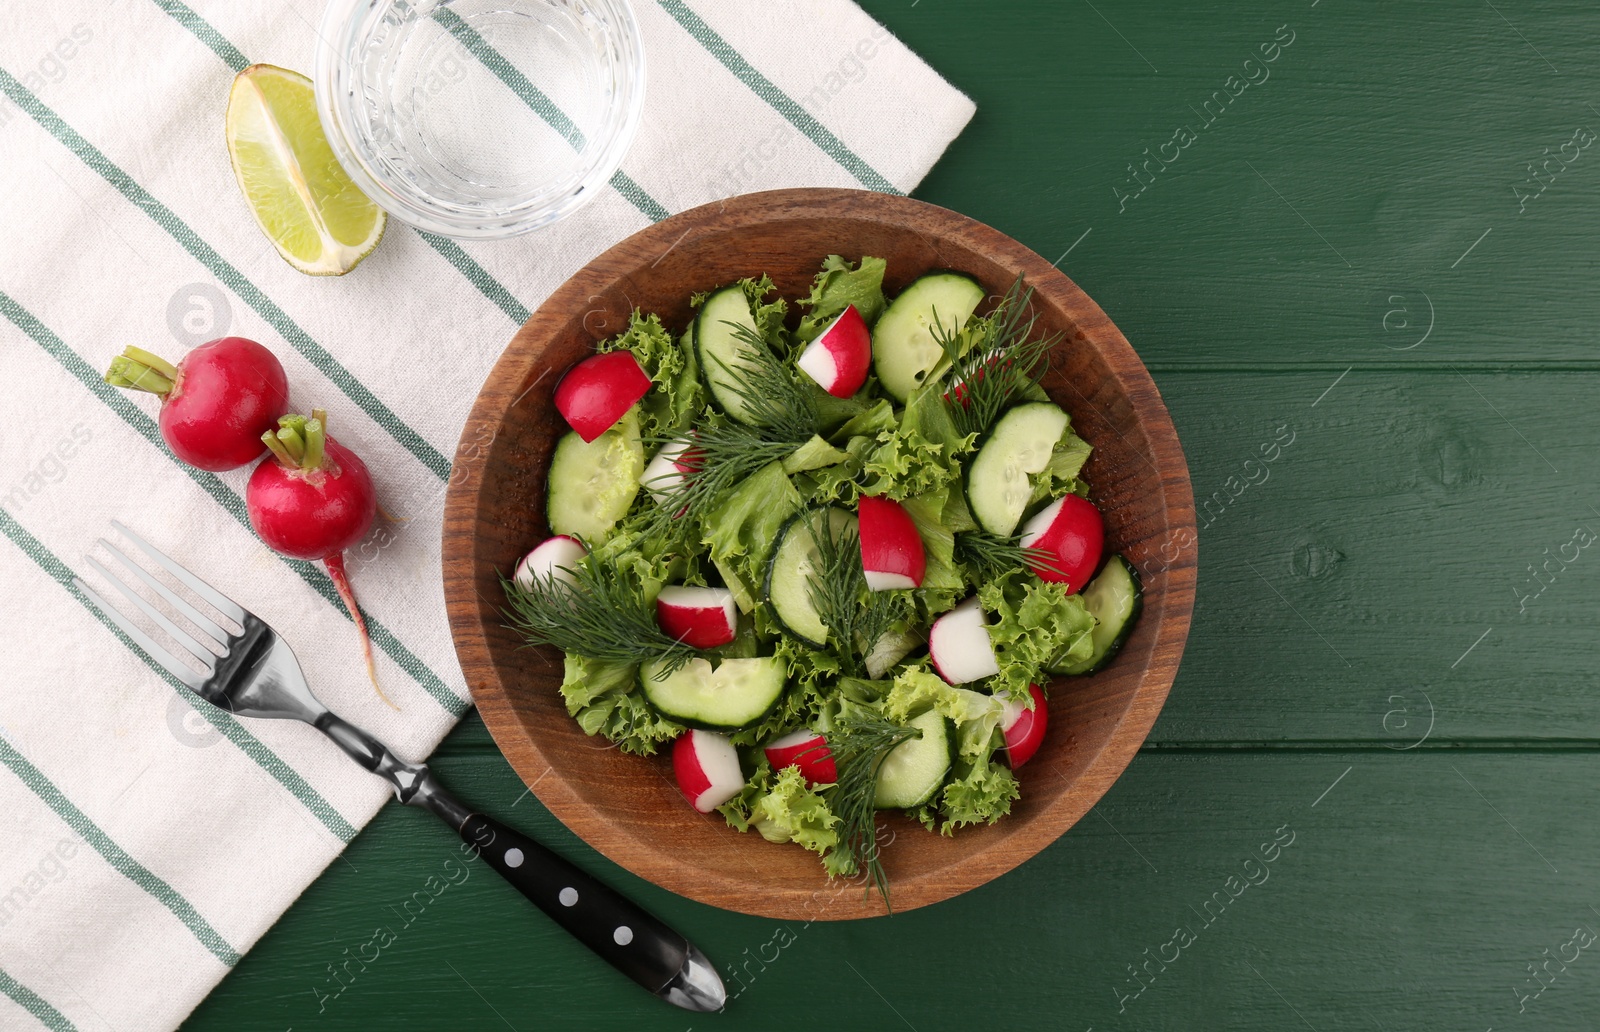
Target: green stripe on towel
116 856
118 402
223 721
476 274
205 33
34 1004
203 252
781 102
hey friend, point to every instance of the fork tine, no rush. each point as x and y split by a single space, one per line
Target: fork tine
143 640
222 603
172 598
184 638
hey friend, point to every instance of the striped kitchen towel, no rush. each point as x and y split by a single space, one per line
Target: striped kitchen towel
122 225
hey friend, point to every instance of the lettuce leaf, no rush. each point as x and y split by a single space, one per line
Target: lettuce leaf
783 808
922 455
814 454
980 789
868 423
1060 476
678 397
740 531
838 484
978 793
838 285
605 699
649 562
1036 621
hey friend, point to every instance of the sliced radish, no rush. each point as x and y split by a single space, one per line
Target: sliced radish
891 548
841 355
707 768
600 390
701 618
807 750
553 560
665 472
958 643
1071 531
1024 728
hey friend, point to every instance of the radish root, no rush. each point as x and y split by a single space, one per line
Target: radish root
341 581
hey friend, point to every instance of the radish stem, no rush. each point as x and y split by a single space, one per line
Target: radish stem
270 439
154 361
139 370
341 581
315 439
292 443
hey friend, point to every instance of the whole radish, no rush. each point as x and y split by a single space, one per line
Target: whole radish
215 403
312 499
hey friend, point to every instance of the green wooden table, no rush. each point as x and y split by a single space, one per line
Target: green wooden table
1379 245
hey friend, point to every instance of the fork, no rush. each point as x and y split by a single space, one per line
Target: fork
257 675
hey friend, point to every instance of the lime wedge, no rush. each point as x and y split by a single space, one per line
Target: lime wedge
304 202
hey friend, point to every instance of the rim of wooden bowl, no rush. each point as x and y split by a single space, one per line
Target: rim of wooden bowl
626 806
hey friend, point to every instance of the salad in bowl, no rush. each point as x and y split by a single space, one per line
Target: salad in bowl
827 552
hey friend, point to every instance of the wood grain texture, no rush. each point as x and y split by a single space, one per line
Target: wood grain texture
627 806
1393 524
1403 902
1396 529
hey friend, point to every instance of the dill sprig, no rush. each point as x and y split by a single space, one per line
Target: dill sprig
1001 359
594 616
782 415
835 588
990 556
775 402
720 458
858 747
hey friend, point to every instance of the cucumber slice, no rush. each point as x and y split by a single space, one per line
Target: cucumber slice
736 694
1115 599
794 558
890 650
591 486
998 479
721 352
914 771
905 353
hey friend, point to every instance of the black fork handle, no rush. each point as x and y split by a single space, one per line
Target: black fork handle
621 932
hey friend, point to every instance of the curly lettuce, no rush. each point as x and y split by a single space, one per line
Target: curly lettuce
605 699
679 398
783 808
1060 476
1035 621
839 285
980 789
922 454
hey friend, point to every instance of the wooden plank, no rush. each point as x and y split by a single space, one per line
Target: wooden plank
1377 149
1393 532
1438 864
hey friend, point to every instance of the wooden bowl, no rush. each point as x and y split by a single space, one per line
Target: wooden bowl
627 806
